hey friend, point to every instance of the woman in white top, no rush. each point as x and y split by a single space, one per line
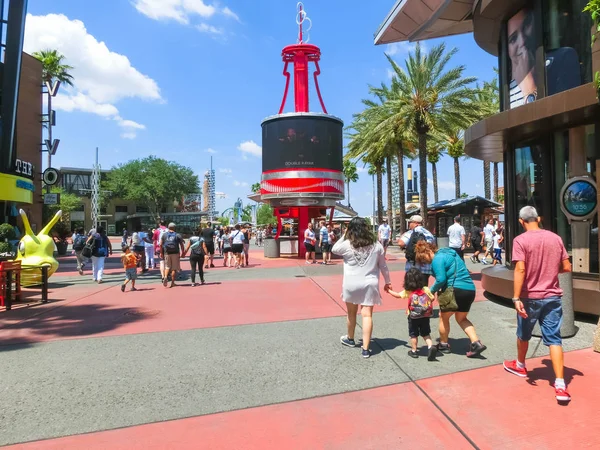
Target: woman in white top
309 243
364 259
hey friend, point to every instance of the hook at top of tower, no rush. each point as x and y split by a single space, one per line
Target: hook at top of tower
304 24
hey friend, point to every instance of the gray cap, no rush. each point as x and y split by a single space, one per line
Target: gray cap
171 226
528 214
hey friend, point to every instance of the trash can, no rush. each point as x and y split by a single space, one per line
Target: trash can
272 248
443 242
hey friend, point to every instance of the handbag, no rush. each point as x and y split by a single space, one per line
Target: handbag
447 299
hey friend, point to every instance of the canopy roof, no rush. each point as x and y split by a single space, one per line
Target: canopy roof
443 205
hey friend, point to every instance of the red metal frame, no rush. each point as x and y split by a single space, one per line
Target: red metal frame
301 55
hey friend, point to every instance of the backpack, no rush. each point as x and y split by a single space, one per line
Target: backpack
198 248
100 249
171 243
88 248
415 237
79 242
420 305
475 234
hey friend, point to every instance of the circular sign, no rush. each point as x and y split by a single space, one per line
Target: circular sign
50 176
579 198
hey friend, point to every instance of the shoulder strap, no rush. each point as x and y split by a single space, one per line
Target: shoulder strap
455 269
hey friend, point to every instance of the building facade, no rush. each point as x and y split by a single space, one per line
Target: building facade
20 116
546 132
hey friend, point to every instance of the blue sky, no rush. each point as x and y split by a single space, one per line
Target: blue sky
186 80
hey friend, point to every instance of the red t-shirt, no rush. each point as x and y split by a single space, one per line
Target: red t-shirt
543 253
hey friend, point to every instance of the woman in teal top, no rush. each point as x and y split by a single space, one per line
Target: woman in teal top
450 270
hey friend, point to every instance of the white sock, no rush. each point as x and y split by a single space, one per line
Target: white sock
560 383
520 365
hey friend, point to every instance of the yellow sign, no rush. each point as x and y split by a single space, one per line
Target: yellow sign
16 189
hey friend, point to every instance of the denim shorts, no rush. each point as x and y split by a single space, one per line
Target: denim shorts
549 313
131 274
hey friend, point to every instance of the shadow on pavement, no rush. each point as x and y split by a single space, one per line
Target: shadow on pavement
384 344
71 321
547 373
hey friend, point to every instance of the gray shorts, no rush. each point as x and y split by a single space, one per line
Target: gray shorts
131 274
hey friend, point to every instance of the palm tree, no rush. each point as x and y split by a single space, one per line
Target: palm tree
428 98
390 200
350 175
255 188
377 168
53 69
433 157
489 99
455 147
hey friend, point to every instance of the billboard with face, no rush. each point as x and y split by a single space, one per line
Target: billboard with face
521 53
302 142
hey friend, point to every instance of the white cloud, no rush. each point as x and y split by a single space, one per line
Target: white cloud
391 73
229 13
240 183
128 135
443 185
205 28
361 169
225 170
101 77
398 48
210 150
221 195
250 147
178 10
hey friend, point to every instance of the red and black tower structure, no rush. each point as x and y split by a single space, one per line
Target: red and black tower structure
302 151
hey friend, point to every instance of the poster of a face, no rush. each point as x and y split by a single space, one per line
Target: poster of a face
521 52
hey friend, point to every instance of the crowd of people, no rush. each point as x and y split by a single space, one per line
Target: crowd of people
163 248
539 256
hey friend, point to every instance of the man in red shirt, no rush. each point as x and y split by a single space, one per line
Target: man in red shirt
539 256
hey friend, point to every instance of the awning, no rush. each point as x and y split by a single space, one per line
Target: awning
447 204
416 20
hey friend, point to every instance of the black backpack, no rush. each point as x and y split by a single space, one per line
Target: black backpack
79 242
198 250
415 237
171 243
89 248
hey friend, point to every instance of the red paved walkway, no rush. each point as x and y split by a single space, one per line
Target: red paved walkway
493 408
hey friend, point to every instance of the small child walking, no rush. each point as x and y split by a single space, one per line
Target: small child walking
419 312
130 262
497 249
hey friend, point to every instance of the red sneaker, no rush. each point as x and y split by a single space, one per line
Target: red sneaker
562 395
511 366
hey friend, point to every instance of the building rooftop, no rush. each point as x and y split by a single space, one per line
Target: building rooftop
416 20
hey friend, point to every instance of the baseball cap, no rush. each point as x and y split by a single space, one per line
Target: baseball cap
171 225
416 219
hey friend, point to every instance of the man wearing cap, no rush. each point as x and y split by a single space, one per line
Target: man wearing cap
384 232
171 250
415 225
539 256
456 233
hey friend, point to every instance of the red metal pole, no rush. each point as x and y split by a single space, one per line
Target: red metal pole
301 81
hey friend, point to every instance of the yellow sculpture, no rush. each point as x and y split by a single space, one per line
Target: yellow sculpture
36 251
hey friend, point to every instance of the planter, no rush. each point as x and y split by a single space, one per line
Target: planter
61 248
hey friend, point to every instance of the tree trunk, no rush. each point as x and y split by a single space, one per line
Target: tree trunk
456 178
423 175
435 182
487 188
495 181
401 192
348 183
379 195
390 202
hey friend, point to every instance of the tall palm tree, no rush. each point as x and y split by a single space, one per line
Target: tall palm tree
489 99
428 97
434 154
350 175
390 200
377 168
53 69
455 147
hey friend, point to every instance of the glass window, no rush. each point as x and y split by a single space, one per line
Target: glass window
120 208
533 181
142 209
567 35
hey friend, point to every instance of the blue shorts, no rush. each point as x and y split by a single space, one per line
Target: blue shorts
131 274
549 313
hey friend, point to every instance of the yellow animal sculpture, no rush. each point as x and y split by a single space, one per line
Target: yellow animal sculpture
36 251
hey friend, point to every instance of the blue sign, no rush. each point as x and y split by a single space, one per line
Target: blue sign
580 198
22 184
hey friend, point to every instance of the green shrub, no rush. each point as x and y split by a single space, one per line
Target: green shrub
6 247
7 232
